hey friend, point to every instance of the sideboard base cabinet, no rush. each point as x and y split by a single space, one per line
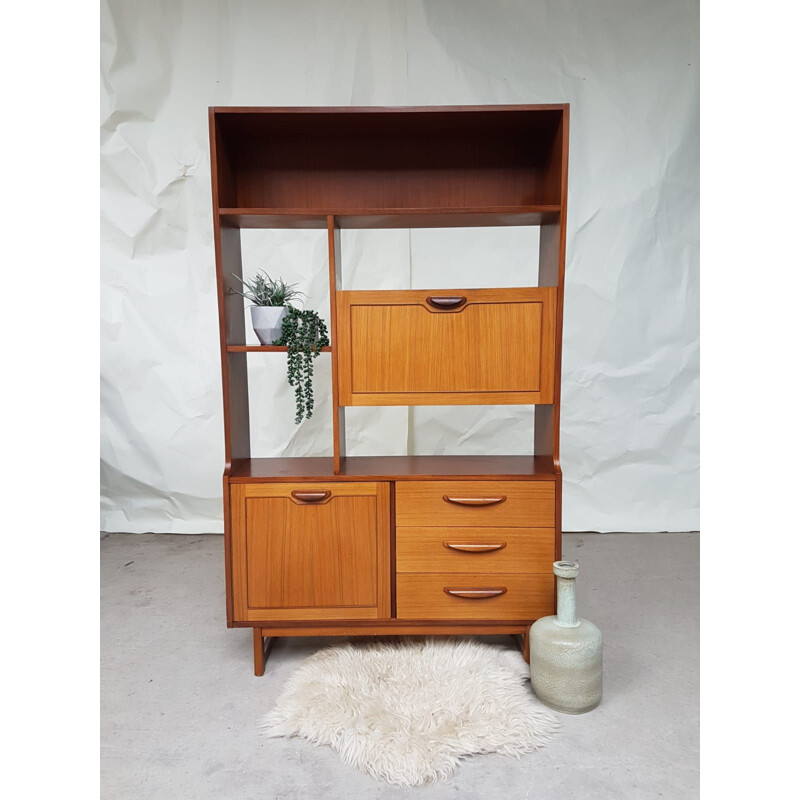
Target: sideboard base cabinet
397 545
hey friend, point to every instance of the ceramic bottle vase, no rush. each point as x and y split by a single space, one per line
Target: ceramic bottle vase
566 652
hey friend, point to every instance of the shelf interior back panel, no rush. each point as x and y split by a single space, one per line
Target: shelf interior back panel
409 160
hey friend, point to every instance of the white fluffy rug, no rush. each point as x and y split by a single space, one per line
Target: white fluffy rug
407 711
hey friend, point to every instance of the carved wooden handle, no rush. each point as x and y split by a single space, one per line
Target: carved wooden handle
475 594
474 548
474 501
311 497
446 303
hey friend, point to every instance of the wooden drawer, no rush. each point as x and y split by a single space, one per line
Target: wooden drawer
494 346
484 550
510 504
310 551
437 596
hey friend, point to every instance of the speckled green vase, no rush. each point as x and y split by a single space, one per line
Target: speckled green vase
566 652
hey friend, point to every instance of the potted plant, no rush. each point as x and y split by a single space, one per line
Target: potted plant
302 332
270 299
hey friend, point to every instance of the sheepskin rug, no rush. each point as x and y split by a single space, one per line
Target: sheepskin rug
407 711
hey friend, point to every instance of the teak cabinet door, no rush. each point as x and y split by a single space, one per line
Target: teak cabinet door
446 347
310 551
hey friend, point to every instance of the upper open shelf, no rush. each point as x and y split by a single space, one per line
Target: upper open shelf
500 216
451 167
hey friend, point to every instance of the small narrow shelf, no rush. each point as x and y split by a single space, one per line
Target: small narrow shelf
474 216
262 348
372 468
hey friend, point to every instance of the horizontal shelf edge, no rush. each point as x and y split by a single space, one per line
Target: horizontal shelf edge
487 216
378 212
373 468
498 108
254 348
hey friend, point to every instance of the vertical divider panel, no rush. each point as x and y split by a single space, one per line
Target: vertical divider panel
228 251
552 257
235 401
552 261
385 550
235 395
234 365
393 550
335 278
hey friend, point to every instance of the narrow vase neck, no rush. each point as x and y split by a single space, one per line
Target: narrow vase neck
567 615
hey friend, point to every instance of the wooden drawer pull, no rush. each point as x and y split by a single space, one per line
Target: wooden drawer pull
446 303
475 594
311 497
474 501
474 548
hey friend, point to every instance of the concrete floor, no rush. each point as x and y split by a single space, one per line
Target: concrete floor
180 703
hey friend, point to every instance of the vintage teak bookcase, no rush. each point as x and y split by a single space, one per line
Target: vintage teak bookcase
397 545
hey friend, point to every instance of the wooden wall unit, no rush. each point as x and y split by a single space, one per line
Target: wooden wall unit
397 545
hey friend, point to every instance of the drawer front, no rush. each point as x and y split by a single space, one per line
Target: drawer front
447 347
456 596
476 550
511 504
310 551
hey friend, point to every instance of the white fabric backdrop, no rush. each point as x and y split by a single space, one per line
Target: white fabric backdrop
630 374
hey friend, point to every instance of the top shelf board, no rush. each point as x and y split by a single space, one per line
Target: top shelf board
412 162
391 217
395 468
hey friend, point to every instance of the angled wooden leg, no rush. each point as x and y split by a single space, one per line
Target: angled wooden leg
522 641
261 648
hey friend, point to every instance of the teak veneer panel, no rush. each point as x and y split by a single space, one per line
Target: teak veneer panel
395 468
423 596
473 550
398 348
311 560
513 504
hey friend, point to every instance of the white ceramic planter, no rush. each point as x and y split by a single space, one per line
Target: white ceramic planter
267 321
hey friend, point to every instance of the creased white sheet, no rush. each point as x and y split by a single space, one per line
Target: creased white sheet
629 68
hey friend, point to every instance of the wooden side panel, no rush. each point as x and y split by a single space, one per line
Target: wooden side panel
228 251
552 261
298 560
235 403
473 550
398 348
513 504
424 596
223 175
335 285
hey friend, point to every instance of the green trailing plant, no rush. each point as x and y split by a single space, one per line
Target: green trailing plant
304 334
261 290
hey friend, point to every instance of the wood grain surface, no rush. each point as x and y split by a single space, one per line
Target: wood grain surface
458 549
422 503
423 596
